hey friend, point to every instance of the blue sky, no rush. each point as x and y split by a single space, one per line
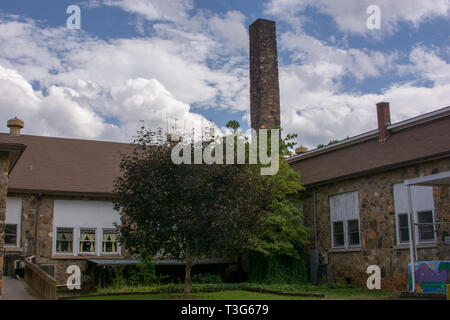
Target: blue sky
184 63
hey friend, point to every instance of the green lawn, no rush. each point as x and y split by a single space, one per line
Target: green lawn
222 295
236 292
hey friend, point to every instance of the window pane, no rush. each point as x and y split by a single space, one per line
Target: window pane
87 240
11 234
403 228
64 240
109 240
338 230
426 232
353 232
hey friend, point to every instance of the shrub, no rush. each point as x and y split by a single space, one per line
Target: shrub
206 278
276 269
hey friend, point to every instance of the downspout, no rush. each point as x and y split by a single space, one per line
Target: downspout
411 240
315 219
36 229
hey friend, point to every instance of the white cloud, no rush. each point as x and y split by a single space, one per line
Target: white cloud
323 115
163 10
426 64
162 74
91 83
328 63
351 15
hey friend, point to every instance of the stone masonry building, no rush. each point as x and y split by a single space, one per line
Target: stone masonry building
355 196
9 154
59 202
356 201
56 205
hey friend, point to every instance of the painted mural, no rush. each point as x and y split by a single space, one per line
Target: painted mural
431 276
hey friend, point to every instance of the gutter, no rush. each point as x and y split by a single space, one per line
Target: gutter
36 230
63 193
315 218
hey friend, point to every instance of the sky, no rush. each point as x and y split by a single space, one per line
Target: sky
183 64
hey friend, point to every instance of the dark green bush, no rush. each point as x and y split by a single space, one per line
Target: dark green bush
276 269
206 278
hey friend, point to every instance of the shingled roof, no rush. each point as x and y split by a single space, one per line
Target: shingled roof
413 140
65 166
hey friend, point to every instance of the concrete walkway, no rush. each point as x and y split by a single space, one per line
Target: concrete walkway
14 289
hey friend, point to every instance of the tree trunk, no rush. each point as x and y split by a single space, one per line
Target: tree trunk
187 278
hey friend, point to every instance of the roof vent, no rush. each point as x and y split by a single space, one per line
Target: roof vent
14 126
301 150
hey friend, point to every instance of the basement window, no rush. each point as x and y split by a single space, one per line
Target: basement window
64 238
11 235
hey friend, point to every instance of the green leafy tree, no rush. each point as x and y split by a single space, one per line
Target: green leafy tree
283 236
186 211
280 246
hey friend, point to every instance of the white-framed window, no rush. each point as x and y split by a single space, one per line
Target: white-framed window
11 235
110 243
426 226
422 208
64 240
403 228
87 240
344 215
13 221
338 234
90 224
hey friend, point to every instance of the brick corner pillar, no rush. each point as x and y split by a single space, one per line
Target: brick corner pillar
4 171
264 85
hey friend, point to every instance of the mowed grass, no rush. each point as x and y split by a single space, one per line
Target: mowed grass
342 292
221 295
238 292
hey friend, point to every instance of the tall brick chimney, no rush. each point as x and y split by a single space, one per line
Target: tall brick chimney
14 126
384 120
264 86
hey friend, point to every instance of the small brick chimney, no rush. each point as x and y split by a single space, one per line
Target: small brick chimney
14 126
384 120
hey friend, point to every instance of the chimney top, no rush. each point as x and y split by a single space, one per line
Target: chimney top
301 150
14 126
384 120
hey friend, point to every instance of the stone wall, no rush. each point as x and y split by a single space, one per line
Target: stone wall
377 226
4 169
43 205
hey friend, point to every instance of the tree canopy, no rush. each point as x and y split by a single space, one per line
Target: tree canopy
190 211
186 211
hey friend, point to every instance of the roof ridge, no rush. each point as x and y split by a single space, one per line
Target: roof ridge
63 138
